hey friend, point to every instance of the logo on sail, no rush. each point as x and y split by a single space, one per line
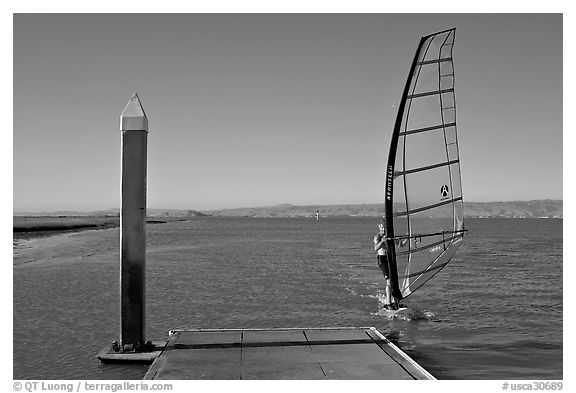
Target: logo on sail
444 191
389 180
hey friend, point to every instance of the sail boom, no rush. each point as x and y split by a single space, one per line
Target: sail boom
429 207
421 235
425 168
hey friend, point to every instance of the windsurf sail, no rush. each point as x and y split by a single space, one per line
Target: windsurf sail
424 211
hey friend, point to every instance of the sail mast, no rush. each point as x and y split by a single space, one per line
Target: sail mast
388 202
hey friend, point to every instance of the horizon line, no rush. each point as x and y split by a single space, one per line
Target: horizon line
256 207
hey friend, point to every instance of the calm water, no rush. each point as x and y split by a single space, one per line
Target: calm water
495 312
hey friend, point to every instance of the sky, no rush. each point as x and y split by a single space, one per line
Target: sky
262 109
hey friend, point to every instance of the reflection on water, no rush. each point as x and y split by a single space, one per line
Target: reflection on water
493 313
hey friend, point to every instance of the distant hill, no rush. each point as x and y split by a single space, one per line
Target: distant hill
288 210
517 209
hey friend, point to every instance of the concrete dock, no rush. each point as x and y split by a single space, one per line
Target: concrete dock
274 354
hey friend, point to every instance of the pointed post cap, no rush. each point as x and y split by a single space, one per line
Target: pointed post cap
133 117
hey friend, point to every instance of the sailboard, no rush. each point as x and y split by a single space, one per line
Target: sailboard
424 212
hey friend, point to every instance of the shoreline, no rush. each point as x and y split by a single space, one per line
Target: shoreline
33 227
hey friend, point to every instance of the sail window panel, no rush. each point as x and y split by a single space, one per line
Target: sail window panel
447 68
414 79
449 115
448 100
428 52
399 204
424 259
399 162
405 115
404 123
452 152
423 251
399 201
422 54
427 79
424 112
459 215
400 223
425 149
410 272
401 228
446 51
410 284
456 183
449 37
443 40
411 278
433 49
403 267
425 189
450 134
438 40
434 220
426 233
446 82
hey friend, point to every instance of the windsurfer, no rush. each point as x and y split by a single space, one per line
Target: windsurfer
380 248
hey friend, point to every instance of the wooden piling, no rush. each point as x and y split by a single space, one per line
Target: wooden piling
134 129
